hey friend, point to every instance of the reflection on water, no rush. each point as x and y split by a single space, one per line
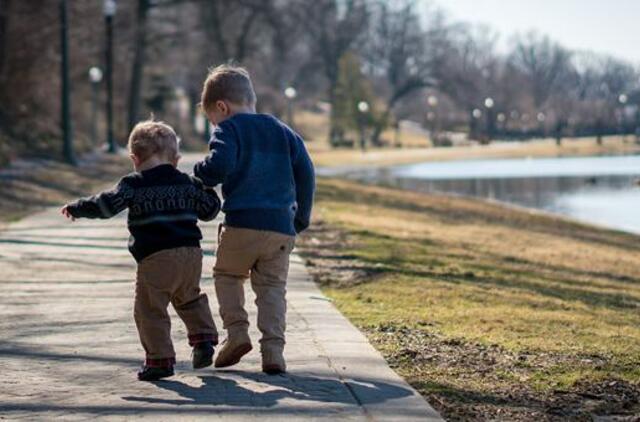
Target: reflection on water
599 190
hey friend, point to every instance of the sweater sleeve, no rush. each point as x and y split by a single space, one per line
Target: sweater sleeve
207 201
222 157
103 205
304 176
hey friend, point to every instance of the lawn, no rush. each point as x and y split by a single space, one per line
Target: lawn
489 311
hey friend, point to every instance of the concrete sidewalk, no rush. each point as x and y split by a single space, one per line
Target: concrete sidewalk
69 348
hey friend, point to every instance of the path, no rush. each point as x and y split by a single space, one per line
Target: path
69 349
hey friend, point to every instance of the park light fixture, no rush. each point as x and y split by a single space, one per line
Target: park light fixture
363 106
477 113
95 75
432 101
541 117
514 114
623 98
109 8
489 103
501 117
290 92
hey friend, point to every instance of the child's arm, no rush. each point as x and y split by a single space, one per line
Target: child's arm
304 176
207 201
222 159
103 205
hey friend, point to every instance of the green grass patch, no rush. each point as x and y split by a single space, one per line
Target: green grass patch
472 300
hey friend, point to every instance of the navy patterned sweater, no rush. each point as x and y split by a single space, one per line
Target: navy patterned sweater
164 207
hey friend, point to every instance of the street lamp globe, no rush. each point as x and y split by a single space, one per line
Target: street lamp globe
489 103
363 106
541 117
477 113
95 75
109 7
502 117
623 98
432 101
290 93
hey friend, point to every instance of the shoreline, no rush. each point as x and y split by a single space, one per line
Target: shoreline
545 148
553 187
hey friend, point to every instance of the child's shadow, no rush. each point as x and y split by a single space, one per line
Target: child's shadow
267 391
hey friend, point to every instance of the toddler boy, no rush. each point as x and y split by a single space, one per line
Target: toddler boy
164 207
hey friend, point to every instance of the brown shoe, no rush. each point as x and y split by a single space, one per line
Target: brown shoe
273 362
233 349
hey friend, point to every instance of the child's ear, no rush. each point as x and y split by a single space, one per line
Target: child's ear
135 159
176 160
223 107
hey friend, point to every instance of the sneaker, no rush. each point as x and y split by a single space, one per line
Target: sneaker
148 373
273 362
202 355
233 349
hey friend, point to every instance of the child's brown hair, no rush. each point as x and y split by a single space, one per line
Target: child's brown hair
230 83
152 137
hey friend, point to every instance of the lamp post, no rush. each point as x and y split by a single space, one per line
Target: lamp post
67 135
363 109
432 116
95 77
489 103
109 12
290 93
476 114
542 118
623 99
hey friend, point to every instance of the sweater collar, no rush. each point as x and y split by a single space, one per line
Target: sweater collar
160 169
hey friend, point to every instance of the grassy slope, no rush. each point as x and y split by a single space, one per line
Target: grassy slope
481 307
31 185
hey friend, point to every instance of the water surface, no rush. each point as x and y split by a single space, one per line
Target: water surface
598 190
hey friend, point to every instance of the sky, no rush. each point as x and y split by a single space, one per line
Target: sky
605 26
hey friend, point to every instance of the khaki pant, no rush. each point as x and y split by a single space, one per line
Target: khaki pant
264 257
171 276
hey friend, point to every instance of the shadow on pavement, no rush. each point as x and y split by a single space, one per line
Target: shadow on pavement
269 390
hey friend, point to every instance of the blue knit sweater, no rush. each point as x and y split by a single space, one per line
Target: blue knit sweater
266 174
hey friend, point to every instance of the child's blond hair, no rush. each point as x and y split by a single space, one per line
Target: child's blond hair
230 83
152 137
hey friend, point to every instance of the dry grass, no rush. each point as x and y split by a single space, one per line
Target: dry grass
28 186
314 126
536 148
473 301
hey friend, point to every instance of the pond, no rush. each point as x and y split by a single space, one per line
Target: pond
598 190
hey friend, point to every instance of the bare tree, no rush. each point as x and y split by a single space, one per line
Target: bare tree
544 62
403 53
468 73
334 27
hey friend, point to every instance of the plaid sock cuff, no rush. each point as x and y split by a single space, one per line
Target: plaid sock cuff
201 338
160 363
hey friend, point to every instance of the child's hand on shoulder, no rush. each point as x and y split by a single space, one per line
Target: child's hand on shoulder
65 211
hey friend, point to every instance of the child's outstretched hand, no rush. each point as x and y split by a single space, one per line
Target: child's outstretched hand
65 211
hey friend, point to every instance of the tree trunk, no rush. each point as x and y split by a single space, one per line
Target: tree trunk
4 12
137 71
379 127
